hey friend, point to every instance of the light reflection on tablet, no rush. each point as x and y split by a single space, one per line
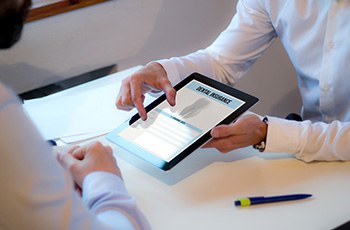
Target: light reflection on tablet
160 135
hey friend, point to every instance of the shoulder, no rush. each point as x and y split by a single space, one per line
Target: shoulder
272 6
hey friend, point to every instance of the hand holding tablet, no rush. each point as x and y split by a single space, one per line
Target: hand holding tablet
172 133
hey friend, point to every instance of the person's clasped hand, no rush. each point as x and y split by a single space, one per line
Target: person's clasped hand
82 160
133 89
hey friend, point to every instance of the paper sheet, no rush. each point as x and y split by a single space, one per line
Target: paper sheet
88 113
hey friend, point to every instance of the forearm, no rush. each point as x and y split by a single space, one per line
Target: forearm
108 199
309 141
177 68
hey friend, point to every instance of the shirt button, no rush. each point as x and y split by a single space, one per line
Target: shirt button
325 89
330 45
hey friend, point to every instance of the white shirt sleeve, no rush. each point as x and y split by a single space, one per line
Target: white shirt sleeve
234 51
106 196
309 141
37 193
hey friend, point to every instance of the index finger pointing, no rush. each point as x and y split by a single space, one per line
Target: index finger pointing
137 99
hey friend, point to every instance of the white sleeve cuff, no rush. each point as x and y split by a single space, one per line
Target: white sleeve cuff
282 136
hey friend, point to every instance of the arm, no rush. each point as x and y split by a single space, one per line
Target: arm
106 196
37 193
234 51
94 168
309 141
227 59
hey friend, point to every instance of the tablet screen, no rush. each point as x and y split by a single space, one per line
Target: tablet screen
170 132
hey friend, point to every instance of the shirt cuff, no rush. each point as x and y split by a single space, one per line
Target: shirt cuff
282 136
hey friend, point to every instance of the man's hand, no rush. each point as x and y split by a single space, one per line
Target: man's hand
80 161
245 131
133 89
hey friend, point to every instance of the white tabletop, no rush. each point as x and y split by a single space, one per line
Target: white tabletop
199 192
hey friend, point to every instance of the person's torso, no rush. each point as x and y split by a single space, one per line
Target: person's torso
316 36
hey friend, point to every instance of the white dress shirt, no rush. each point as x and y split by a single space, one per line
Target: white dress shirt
37 193
316 35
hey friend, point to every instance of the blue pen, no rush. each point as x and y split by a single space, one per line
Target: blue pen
243 202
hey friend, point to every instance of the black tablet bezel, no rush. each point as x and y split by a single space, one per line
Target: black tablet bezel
164 165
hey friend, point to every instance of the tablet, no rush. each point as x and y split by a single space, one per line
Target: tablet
172 133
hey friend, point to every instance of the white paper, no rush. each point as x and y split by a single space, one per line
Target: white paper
87 112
